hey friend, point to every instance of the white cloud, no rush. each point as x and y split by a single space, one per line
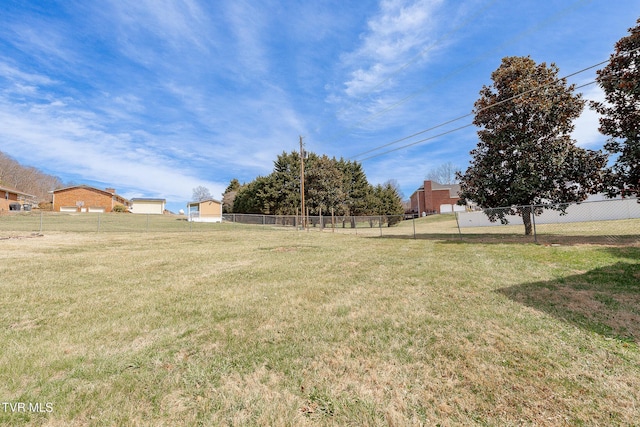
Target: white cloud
400 31
70 143
586 131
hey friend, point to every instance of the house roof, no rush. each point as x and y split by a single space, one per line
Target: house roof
147 199
454 189
87 187
197 202
13 190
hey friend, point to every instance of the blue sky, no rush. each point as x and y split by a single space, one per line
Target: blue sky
156 97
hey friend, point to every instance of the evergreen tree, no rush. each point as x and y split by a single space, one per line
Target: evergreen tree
329 184
286 178
229 195
323 185
356 189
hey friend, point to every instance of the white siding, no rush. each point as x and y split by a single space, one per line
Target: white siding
583 212
153 207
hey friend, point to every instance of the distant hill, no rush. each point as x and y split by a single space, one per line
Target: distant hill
27 178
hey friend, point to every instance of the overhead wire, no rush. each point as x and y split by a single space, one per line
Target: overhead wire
372 116
472 113
415 59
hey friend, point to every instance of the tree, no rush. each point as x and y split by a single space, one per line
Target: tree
255 197
525 155
201 193
27 178
229 195
620 81
286 178
329 184
388 202
356 189
323 185
446 173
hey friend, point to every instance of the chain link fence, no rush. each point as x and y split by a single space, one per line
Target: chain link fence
602 222
37 221
605 221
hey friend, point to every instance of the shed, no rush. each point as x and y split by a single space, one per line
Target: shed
148 206
209 210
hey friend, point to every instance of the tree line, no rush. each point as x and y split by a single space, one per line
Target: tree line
330 186
26 179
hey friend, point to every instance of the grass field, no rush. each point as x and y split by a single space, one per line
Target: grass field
247 325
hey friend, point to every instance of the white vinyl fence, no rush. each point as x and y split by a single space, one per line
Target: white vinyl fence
582 212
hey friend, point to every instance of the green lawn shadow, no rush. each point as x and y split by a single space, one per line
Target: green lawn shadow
543 239
604 300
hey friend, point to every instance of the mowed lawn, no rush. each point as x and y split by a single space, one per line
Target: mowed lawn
244 325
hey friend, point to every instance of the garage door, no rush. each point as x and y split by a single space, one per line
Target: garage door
96 209
68 209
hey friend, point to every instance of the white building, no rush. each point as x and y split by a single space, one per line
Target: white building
148 206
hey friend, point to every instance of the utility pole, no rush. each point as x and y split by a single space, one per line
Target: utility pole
302 211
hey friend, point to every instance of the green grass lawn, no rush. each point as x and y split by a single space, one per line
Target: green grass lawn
248 325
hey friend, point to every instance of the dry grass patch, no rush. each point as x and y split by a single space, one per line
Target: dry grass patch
255 326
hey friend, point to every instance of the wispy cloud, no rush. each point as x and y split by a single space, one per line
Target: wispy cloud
399 31
157 97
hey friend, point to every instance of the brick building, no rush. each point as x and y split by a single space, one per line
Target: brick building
11 196
83 198
433 197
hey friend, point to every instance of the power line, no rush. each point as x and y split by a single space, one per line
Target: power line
418 142
480 110
407 64
552 18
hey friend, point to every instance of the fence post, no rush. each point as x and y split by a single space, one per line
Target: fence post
458 224
147 222
533 216
99 217
414 226
41 221
333 221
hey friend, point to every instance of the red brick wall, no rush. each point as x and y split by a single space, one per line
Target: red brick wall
91 198
442 197
429 200
4 201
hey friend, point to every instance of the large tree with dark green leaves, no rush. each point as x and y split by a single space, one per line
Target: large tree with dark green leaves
525 155
620 81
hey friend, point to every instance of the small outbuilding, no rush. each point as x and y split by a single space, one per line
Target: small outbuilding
148 206
209 210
